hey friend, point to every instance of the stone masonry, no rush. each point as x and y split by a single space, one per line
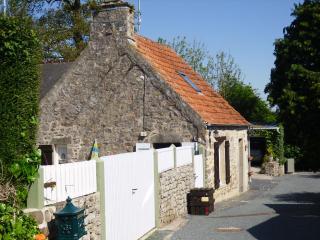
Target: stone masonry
232 189
91 204
274 169
174 186
110 95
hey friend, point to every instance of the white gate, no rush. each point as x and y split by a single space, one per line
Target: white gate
199 171
129 195
69 179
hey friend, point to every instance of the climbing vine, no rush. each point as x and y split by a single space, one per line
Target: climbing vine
274 142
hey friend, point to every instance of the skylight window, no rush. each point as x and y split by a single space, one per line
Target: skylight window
189 81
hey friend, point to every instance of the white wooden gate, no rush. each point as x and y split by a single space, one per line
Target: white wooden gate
199 171
129 195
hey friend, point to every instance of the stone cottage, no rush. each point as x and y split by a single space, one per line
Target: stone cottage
125 89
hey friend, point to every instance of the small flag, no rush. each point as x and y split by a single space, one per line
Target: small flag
95 151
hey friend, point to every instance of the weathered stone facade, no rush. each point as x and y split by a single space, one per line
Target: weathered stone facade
91 204
109 94
174 186
238 172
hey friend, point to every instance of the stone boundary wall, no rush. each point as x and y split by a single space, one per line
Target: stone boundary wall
91 204
174 186
274 169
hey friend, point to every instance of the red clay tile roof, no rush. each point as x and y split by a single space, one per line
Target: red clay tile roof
211 107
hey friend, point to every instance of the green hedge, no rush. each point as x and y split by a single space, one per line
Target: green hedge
19 100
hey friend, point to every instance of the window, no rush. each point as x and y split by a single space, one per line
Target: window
222 160
189 81
222 170
61 153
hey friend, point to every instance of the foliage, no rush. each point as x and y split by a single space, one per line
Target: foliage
63 25
274 143
291 151
295 81
223 74
15 225
21 8
19 98
246 100
64 30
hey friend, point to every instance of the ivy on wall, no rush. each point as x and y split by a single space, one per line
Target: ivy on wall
19 100
274 142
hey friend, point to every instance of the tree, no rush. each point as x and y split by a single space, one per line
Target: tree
64 29
63 25
224 75
295 81
246 101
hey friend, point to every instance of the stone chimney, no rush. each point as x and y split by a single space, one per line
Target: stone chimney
113 17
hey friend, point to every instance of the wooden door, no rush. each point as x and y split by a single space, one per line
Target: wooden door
241 165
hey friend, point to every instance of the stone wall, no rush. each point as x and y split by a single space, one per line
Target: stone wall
274 169
91 204
174 186
232 189
111 94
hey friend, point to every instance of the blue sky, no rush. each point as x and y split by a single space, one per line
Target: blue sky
246 29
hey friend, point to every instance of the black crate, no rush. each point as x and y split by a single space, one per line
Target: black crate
197 210
200 201
202 192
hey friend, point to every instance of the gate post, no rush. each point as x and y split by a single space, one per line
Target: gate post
101 189
156 189
36 192
174 155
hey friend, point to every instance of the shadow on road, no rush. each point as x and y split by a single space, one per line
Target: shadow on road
300 197
296 220
315 175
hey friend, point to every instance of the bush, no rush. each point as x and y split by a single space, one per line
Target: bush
15 225
19 100
291 151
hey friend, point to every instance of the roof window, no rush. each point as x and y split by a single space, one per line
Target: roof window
189 81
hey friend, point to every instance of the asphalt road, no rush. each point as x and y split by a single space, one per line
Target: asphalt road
283 208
